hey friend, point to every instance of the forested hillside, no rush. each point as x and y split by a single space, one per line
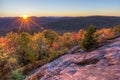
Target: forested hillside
59 24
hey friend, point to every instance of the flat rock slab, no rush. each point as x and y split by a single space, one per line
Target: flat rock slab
100 64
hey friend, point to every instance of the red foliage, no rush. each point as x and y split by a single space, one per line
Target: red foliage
55 45
74 36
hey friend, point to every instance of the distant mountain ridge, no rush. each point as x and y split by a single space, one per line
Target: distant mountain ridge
77 23
60 24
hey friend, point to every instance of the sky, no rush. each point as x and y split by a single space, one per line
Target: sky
15 8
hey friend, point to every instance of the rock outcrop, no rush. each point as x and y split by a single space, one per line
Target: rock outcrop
100 64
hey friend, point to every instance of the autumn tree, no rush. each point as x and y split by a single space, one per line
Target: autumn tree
23 49
39 45
104 34
11 42
51 36
67 39
80 35
74 38
10 47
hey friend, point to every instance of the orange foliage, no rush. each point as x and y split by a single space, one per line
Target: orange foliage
105 33
2 41
80 34
55 45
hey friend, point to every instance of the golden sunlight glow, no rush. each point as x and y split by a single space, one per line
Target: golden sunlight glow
25 16
25 22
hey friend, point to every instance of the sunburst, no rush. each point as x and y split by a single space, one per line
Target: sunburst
25 22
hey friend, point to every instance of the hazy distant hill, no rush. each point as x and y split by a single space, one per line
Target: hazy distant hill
76 23
60 24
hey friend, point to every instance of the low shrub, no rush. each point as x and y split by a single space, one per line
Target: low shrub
16 75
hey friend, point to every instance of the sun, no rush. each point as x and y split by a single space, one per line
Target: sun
24 23
25 16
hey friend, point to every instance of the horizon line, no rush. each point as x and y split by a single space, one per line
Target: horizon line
60 16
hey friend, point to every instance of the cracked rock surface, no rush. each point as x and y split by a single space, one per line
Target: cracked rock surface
100 64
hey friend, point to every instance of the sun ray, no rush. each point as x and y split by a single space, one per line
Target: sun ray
39 26
20 27
28 26
16 21
25 22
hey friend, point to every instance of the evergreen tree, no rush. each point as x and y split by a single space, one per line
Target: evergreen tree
116 29
89 42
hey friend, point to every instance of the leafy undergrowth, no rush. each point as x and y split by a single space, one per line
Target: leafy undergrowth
39 63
